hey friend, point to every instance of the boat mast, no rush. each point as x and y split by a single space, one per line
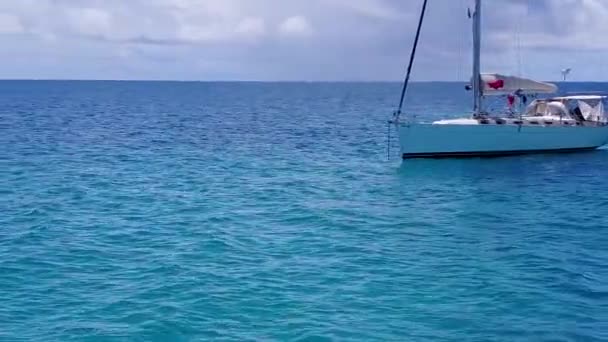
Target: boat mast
477 91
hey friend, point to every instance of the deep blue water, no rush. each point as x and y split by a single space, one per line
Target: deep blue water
168 211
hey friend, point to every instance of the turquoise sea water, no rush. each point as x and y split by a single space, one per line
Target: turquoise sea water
168 211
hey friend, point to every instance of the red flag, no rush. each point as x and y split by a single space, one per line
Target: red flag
496 84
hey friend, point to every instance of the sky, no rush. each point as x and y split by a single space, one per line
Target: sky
293 40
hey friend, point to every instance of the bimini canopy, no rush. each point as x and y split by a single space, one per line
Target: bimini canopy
582 97
585 107
496 84
591 106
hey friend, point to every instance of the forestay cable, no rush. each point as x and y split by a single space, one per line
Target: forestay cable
412 57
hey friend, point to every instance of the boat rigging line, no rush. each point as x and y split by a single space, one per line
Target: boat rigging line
412 57
397 113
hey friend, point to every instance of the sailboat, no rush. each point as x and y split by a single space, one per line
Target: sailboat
552 124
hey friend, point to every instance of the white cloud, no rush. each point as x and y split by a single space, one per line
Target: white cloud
565 25
251 27
371 8
90 22
197 33
10 24
362 39
295 26
219 31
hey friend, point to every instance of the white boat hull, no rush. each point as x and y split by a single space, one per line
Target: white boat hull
434 141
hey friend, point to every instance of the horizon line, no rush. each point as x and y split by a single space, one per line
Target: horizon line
250 81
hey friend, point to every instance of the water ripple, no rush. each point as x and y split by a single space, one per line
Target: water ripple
173 211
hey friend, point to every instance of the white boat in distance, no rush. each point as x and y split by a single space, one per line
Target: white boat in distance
555 124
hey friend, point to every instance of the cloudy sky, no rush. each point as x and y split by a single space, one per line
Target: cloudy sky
296 39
